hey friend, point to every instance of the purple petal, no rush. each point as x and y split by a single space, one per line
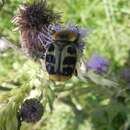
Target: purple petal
98 63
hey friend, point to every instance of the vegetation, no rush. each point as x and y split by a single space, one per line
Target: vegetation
91 101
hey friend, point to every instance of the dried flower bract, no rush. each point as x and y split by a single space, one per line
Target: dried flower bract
33 21
35 16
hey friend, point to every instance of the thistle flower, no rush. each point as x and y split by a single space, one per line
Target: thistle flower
82 33
33 21
98 64
31 110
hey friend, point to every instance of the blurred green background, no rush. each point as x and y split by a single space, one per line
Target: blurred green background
78 105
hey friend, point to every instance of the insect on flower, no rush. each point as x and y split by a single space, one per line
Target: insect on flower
63 53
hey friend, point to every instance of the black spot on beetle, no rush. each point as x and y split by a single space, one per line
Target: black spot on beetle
71 50
68 71
50 58
50 69
69 61
51 48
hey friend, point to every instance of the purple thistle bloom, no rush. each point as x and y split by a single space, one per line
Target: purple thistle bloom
98 63
55 27
82 32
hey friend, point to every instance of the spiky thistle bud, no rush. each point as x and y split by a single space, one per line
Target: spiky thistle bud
33 21
31 110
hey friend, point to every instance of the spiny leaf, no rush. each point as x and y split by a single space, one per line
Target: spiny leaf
99 80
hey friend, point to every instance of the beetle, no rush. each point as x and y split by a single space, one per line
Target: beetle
63 54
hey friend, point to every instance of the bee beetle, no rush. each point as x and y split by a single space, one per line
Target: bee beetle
62 55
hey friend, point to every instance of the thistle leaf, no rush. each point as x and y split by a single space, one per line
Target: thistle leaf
99 80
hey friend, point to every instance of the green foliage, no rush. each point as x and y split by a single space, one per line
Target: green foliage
7 12
91 102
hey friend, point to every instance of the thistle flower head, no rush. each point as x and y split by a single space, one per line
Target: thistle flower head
33 21
35 15
98 63
31 110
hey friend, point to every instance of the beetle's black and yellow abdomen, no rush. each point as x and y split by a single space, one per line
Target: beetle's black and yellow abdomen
61 55
61 61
